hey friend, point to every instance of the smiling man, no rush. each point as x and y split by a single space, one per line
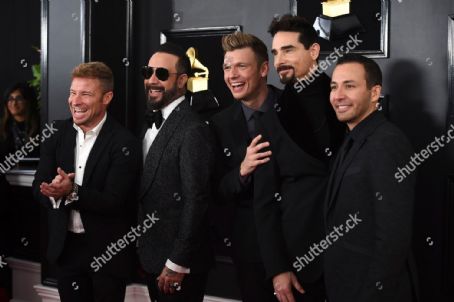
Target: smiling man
87 177
245 74
175 186
289 189
305 113
372 262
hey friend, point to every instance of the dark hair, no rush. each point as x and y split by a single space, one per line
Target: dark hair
95 70
240 40
183 65
371 68
298 24
32 118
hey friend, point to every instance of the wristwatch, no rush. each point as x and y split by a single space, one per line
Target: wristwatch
73 196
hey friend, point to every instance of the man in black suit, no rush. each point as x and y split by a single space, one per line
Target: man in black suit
175 186
240 152
371 262
289 190
87 178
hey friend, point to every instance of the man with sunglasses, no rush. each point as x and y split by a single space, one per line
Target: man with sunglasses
175 187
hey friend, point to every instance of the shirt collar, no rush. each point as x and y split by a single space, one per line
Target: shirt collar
362 128
267 104
167 110
95 129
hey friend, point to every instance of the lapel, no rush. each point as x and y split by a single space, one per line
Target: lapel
101 143
143 131
336 178
284 146
156 150
68 146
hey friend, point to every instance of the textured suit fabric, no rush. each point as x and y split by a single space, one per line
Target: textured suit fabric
175 187
107 202
304 135
370 262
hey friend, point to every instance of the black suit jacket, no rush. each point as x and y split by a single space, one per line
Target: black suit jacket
107 202
289 190
370 261
234 213
175 187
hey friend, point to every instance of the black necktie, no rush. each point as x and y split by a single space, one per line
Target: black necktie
256 124
154 117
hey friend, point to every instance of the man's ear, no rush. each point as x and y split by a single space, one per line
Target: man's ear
314 51
182 80
375 93
107 97
264 69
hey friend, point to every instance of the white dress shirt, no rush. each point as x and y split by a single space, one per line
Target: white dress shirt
148 140
84 144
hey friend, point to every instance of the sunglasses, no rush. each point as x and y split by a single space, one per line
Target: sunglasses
161 73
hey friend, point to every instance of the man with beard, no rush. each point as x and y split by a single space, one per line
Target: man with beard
289 189
245 74
175 187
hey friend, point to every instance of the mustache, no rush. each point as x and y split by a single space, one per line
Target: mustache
154 87
284 67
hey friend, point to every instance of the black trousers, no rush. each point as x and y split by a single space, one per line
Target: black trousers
77 282
192 289
253 283
314 292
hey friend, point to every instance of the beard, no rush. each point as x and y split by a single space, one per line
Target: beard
286 79
167 97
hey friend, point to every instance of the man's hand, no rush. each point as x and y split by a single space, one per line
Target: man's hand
283 284
254 157
169 281
61 185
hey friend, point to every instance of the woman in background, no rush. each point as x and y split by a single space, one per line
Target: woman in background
20 119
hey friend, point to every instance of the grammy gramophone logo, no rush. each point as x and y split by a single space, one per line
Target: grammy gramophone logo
199 82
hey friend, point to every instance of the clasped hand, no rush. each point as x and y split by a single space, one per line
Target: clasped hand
61 185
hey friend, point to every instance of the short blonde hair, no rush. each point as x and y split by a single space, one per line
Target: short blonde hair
95 70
